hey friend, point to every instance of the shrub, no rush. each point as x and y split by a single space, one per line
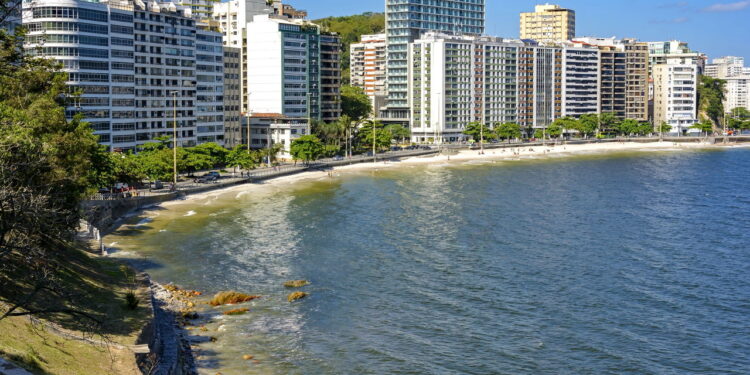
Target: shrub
131 300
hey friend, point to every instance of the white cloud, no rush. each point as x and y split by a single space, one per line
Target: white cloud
728 7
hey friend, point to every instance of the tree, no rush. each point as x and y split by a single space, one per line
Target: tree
608 122
739 119
663 128
475 130
350 29
48 164
704 126
365 133
628 127
645 128
398 132
587 125
241 157
355 104
306 148
216 154
711 99
508 130
555 129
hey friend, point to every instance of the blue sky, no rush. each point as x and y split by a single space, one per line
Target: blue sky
715 27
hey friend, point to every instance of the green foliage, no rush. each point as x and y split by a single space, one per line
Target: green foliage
398 132
664 128
711 98
739 119
365 136
508 130
355 104
628 127
306 148
704 126
554 130
350 29
587 125
240 157
476 130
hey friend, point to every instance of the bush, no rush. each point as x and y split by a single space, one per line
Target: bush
231 297
131 300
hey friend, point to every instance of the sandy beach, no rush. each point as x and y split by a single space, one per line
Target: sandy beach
453 157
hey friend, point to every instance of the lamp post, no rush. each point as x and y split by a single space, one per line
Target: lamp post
174 137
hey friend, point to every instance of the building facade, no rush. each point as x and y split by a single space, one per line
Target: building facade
738 93
580 81
539 85
660 52
456 80
624 77
135 67
548 24
232 97
726 67
367 67
676 93
283 67
406 20
330 77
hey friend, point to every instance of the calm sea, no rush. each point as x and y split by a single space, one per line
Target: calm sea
633 263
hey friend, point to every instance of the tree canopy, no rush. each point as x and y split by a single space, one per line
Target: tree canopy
306 148
351 29
355 104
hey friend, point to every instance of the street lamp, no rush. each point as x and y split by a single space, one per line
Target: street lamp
174 136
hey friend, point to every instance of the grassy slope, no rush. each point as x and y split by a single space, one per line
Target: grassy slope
350 28
102 285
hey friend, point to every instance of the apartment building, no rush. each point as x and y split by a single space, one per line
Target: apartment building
737 93
726 67
136 67
624 76
548 24
580 80
232 97
406 20
367 65
660 52
539 85
283 67
330 77
273 128
676 93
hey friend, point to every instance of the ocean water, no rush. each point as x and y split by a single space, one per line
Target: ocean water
634 263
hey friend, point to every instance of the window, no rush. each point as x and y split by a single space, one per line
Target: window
121 42
122 78
122 54
122 66
118 90
120 29
93 65
122 18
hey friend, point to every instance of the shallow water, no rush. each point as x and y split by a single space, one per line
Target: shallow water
624 264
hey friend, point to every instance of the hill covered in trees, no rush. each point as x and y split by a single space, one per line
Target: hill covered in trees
350 28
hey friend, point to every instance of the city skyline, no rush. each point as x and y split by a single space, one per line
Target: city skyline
647 21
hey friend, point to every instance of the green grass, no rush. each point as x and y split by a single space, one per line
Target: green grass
101 287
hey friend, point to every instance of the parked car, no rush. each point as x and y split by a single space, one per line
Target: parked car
396 148
121 187
158 185
213 174
338 158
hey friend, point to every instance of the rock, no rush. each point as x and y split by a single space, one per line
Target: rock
231 297
256 362
296 283
247 357
213 339
295 296
236 311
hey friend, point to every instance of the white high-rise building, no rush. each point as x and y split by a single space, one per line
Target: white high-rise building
136 65
737 93
676 93
283 67
406 20
725 67
456 80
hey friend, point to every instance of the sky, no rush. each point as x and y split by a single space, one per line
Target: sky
714 27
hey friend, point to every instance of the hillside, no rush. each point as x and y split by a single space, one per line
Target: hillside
350 28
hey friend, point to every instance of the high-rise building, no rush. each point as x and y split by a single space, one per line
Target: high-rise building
232 97
726 67
539 85
737 93
284 67
659 52
548 23
624 76
457 80
136 66
367 65
676 93
406 20
330 77
580 80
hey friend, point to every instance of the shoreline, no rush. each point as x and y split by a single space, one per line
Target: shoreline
455 157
